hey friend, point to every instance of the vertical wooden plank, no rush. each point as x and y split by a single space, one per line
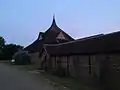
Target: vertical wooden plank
89 60
67 68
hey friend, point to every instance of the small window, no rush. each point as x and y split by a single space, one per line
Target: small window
40 38
61 36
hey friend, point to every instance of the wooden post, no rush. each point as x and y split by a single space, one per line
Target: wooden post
67 66
90 67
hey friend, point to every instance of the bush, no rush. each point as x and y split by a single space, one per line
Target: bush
21 58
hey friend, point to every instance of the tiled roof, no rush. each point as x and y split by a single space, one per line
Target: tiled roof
107 43
34 47
48 37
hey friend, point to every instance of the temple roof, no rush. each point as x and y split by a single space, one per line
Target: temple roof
104 43
53 25
49 37
51 34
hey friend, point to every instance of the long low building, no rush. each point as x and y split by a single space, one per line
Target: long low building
92 58
103 43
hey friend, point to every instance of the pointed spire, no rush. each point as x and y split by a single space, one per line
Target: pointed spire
53 25
54 22
53 16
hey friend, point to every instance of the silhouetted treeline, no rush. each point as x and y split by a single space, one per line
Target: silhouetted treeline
8 50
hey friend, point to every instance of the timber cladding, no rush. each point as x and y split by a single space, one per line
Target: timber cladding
95 59
78 66
112 78
34 57
101 68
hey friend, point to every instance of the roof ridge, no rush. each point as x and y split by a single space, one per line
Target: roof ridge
82 39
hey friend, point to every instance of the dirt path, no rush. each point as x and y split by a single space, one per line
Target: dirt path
15 79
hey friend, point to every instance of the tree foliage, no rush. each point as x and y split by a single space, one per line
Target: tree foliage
9 50
2 42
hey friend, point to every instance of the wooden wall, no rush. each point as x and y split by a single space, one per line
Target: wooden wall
35 59
102 68
111 77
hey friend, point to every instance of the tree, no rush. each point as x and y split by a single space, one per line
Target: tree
2 42
9 50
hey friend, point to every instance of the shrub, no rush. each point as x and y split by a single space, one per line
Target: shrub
21 58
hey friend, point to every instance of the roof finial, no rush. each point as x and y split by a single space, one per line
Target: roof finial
54 18
54 22
54 25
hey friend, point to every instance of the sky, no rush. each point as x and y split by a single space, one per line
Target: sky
22 20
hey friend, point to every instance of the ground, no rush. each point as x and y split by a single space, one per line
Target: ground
26 77
14 79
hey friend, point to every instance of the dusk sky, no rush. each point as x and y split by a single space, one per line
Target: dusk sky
22 20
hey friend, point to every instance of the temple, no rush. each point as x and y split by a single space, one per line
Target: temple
93 59
53 35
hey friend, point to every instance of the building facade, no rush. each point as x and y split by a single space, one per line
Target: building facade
54 35
93 59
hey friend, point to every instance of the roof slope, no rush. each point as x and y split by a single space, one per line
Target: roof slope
51 34
34 47
108 43
48 37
